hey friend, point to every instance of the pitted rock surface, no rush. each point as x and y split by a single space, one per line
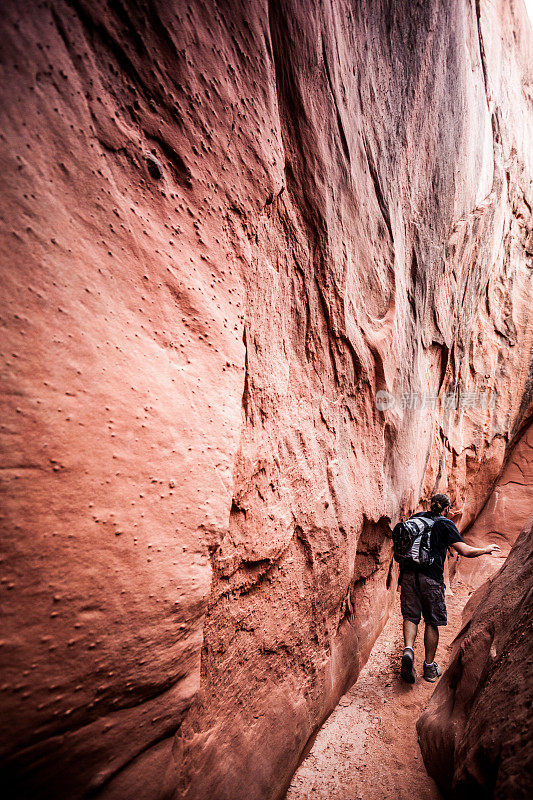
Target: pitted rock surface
198 485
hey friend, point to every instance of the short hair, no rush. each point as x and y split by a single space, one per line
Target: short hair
439 502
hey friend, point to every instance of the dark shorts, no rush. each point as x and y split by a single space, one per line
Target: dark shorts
422 596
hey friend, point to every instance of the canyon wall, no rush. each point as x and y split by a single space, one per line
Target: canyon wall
266 285
475 735
503 516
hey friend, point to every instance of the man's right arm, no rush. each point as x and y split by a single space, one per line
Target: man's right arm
466 550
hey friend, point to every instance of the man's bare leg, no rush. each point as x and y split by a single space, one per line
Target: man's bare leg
431 640
409 634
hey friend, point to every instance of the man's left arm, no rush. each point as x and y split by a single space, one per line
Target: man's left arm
466 550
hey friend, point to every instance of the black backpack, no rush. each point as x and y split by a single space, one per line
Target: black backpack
412 542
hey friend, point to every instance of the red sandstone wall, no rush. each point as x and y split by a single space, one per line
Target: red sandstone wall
475 735
225 228
504 515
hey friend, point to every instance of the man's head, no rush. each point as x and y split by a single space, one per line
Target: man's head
439 504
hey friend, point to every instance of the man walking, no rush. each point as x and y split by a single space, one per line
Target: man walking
422 583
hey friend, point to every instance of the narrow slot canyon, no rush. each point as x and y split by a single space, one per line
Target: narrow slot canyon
266 292
368 749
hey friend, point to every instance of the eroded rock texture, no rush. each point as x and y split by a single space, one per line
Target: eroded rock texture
504 515
476 733
226 227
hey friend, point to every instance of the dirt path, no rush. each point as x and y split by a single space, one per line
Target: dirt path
368 748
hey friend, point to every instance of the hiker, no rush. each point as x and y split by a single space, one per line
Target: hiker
420 546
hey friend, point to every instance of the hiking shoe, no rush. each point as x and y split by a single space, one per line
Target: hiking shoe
408 671
432 672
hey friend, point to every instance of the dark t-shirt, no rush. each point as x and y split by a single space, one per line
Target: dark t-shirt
443 533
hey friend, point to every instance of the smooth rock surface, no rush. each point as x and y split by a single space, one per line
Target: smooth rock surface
225 228
475 735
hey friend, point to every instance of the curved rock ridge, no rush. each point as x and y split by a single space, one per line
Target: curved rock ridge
475 735
504 514
227 228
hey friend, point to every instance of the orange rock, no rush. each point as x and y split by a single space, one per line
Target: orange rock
475 734
341 209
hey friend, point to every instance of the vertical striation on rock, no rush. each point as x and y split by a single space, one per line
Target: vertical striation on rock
225 228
